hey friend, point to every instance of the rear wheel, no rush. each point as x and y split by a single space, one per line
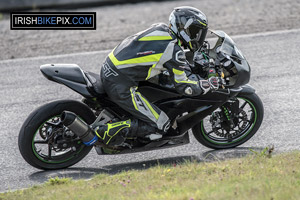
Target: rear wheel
232 124
45 143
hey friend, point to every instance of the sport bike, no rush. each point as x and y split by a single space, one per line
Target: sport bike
220 119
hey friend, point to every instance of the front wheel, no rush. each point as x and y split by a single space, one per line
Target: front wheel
232 124
45 143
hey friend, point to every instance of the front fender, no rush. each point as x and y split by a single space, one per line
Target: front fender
247 89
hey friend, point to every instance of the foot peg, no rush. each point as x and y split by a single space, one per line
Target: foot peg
153 136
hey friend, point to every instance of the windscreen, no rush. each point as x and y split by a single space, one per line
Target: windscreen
238 70
229 48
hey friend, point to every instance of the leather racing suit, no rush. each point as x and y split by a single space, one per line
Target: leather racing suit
141 57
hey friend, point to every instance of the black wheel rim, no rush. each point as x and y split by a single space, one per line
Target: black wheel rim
44 142
241 130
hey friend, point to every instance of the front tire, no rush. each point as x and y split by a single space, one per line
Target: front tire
42 131
212 139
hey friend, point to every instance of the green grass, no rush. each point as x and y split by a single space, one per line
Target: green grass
259 176
58 181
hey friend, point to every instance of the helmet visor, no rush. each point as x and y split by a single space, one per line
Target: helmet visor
197 35
194 32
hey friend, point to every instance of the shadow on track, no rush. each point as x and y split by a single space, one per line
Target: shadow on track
223 154
86 173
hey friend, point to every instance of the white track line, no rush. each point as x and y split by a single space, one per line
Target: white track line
269 33
55 56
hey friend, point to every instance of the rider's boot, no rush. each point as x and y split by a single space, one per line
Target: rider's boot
113 133
116 133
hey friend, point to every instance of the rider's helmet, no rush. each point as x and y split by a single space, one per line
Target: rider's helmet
189 25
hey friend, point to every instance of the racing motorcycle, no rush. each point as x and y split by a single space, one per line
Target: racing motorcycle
222 118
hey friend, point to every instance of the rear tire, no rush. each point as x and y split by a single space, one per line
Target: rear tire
33 126
256 118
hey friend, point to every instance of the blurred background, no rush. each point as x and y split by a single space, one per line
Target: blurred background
117 19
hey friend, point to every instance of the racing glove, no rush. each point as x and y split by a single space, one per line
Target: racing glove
214 83
207 85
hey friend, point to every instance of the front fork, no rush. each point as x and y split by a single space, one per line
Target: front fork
227 116
230 111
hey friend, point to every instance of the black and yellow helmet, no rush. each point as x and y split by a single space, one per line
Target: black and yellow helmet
189 25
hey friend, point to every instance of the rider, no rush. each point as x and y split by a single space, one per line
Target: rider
143 56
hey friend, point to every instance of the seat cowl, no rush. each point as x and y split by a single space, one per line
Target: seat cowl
70 72
70 75
87 84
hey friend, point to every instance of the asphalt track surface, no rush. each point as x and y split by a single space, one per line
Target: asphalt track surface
114 23
274 58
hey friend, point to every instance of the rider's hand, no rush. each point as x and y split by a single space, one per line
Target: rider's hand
214 83
211 83
205 86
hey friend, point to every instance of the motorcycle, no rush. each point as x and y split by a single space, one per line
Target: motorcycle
222 118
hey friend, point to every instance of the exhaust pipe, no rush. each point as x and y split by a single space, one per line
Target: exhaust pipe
79 127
